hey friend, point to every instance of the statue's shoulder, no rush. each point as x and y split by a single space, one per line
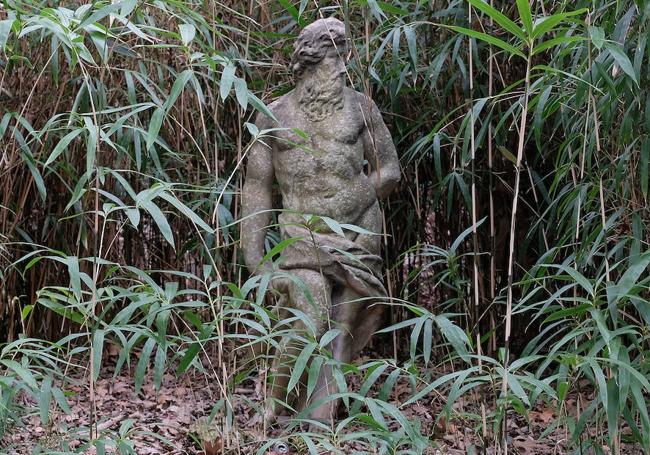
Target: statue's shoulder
360 100
281 108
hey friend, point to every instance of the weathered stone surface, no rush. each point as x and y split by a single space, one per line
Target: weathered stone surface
331 156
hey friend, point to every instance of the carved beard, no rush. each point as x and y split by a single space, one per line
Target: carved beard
321 94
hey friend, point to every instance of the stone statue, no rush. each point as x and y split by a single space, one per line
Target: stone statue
332 156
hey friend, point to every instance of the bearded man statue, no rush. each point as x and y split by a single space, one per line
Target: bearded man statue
333 160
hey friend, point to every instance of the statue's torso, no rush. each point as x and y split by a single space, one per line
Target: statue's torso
323 173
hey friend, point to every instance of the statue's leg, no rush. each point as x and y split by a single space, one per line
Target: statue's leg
313 299
346 305
368 320
359 319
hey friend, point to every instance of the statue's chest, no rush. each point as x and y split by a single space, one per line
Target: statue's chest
331 146
342 127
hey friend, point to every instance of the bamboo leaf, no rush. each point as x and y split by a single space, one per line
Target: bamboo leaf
100 14
185 210
160 220
300 365
5 30
328 337
143 362
277 249
98 349
559 41
177 88
643 168
44 400
499 18
72 262
241 92
597 35
260 106
62 145
525 15
227 80
154 126
488 39
412 46
622 59
188 31
548 24
24 373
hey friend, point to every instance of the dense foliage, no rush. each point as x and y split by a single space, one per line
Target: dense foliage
517 248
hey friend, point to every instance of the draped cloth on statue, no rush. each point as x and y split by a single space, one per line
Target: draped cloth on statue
338 258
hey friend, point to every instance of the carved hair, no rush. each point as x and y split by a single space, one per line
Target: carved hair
315 41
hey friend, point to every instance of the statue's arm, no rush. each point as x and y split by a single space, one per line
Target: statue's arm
380 151
256 200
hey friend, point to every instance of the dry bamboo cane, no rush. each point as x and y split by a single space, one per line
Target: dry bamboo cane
511 249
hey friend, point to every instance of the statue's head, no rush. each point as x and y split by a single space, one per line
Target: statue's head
324 37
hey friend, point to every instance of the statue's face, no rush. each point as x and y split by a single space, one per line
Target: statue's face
329 71
334 65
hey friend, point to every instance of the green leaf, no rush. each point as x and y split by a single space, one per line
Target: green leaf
328 337
160 220
412 46
154 126
23 314
241 92
300 365
193 350
499 18
288 6
427 340
459 240
616 51
100 14
188 31
177 88
488 39
643 169
36 175
539 115
260 106
134 216
560 40
333 225
280 247
91 144
6 118
22 372
376 11
98 349
60 399
44 400
78 192
62 145
185 210
143 362
517 389
312 375
391 8
227 79
507 154
72 262
454 334
5 30
597 35
524 14
159 365
548 23
629 279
